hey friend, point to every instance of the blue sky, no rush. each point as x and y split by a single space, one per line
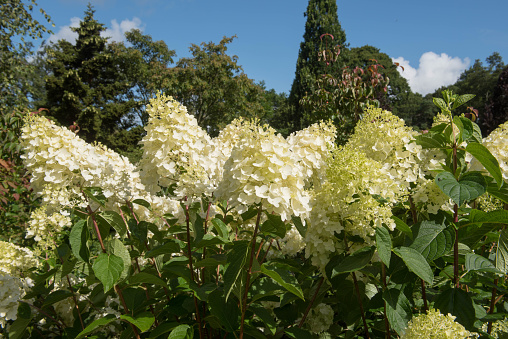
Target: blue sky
434 40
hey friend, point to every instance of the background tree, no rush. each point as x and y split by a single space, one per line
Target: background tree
213 86
17 28
87 85
496 111
321 19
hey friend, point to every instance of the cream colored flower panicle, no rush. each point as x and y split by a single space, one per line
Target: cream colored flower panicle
428 197
12 289
320 318
176 150
61 163
496 143
356 197
385 138
435 325
311 147
44 227
15 260
262 169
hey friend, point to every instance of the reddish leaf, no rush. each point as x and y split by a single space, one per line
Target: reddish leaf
16 196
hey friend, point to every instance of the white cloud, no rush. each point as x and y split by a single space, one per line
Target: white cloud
115 33
433 71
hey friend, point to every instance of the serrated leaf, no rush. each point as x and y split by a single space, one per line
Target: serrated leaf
470 186
384 245
108 268
440 103
143 321
221 228
433 240
398 309
143 203
78 238
97 324
354 262
281 274
431 141
146 278
416 263
297 221
95 194
237 258
117 248
115 220
483 155
475 262
458 303
265 316
500 193
502 252
462 99
273 226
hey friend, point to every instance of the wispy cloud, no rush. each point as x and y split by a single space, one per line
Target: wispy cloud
115 32
433 71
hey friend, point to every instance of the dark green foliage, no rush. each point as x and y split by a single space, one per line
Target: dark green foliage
88 86
496 111
321 19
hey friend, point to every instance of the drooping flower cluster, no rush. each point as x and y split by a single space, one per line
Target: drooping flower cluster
58 159
44 227
385 138
435 325
15 260
176 151
262 169
356 197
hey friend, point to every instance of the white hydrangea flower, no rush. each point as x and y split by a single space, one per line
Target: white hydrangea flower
385 138
262 169
435 325
430 198
14 260
12 289
320 318
44 228
348 200
176 151
499 328
496 143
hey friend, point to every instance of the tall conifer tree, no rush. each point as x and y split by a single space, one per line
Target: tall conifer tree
87 85
321 19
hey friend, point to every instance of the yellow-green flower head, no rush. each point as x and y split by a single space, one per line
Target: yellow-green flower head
15 260
499 328
176 150
349 200
312 146
435 325
262 169
44 227
320 318
385 138
496 143
60 161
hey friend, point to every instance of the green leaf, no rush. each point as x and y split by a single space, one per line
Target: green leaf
492 217
298 333
398 309
117 248
198 227
265 316
227 312
169 247
138 230
470 186
354 262
475 262
142 203
297 221
500 193
458 303
483 155
181 332
146 278
281 274
441 104
162 328
502 252
237 258
273 226
416 263
95 194
461 100
18 327
108 268
115 220
143 321
221 228
431 141
56 296
402 226
102 225
78 238
466 127
97 324
384 245
433 240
